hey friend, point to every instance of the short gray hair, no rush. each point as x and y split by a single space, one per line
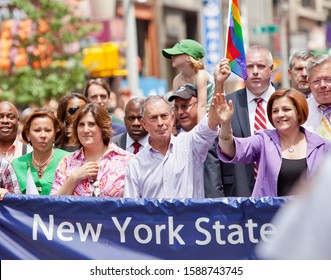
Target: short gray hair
318 60
260 48
152 99
302 54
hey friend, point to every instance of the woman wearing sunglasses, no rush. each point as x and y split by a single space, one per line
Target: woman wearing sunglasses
68 105
97 168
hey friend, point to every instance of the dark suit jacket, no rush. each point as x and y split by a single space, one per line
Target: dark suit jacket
120 140
224 179
118 128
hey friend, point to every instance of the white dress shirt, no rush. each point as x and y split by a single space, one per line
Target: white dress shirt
15 151
129 141
178 174
252 104
315 115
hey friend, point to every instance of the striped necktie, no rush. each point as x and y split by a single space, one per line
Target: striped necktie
260 122
324 128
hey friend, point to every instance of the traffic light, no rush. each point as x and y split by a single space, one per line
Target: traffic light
103 60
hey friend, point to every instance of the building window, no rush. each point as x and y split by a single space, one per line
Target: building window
308 4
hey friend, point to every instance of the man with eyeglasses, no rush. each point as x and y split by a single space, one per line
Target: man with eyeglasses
185 107
135 138
319 77
297 71
10 146
98 91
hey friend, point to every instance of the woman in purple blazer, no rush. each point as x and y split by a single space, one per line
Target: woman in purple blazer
284 154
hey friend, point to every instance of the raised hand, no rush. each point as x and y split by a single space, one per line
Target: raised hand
222 71
223 109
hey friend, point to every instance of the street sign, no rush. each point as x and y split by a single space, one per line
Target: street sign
259 29
212 33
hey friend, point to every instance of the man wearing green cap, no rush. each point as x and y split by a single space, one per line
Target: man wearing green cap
187 56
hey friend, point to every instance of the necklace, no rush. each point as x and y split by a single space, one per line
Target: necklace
96 189
291 149
40 166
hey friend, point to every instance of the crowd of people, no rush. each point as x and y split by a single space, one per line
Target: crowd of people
197 142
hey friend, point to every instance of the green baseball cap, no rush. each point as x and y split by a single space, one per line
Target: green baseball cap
187 46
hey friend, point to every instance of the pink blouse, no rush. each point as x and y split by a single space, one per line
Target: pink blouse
110 175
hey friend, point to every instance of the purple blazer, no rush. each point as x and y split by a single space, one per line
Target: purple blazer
264 148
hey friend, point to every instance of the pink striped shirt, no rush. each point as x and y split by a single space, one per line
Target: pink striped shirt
110 176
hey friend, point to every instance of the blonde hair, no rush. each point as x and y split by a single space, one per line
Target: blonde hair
196 64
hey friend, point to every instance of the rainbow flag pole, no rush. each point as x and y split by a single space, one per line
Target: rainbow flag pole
235 50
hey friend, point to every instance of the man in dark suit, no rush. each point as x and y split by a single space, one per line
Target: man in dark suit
136 136
238 179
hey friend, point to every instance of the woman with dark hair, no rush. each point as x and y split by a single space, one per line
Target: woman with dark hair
283 154
41 130
97 167
67 107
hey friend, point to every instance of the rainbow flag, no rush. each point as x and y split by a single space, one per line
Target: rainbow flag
235 44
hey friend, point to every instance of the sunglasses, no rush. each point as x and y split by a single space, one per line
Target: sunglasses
73 110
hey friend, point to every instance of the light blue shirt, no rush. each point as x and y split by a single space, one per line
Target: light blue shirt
178 174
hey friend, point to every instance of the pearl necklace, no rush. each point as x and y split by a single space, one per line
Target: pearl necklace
291 149
40 166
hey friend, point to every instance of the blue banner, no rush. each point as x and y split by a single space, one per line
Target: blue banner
69 227
212 33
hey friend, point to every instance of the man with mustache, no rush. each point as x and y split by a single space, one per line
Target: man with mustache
185 107
297 71
136 136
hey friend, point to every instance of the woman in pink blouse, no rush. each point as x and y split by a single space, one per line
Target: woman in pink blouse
97 167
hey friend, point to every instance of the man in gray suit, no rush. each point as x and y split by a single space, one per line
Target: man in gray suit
238 179
136 136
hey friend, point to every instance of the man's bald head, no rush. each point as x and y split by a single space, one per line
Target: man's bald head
132 118
8 123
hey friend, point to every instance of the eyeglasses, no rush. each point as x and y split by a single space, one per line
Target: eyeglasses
71 111
184 107
327 81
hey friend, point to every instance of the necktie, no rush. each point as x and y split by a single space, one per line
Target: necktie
260 122
324 128
136 145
